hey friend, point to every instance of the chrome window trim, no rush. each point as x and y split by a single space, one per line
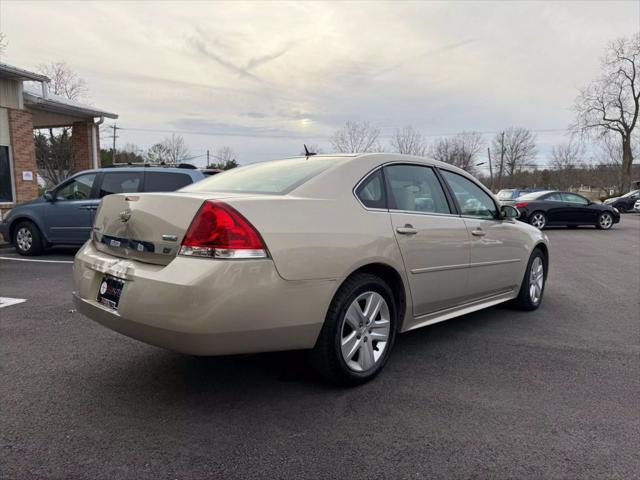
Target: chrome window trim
409 212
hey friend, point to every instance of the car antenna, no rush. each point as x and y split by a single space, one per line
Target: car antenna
307 153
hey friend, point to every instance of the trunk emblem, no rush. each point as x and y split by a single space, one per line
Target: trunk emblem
125 215
170 238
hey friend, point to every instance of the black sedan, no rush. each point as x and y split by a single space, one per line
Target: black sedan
624 203
551 208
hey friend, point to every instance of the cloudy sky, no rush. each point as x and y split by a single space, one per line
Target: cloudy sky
265 77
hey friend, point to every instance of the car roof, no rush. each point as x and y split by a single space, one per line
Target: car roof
187 171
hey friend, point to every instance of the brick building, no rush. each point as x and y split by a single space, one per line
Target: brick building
23 109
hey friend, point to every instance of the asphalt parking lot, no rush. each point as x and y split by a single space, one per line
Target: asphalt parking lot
495 394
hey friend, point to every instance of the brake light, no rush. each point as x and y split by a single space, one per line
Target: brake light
521 204
220 231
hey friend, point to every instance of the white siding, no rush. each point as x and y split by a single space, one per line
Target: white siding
4 127
11 94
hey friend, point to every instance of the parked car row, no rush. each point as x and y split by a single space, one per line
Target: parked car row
64 214
553 208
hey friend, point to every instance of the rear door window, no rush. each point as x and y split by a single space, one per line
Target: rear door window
120 182
415 188
165 182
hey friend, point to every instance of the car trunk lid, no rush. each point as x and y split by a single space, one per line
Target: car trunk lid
147 227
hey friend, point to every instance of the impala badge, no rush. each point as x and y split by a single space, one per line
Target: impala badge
125 215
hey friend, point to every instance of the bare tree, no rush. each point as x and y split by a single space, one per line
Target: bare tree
611 103
409 141
226 159
460 150
566 159
608 157
177 151
514 150
157 154
356 137
54 153
567 156
64 81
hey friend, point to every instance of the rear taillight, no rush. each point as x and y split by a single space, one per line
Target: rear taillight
521 204
219 231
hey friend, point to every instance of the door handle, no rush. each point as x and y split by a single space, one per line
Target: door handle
407 230
478 233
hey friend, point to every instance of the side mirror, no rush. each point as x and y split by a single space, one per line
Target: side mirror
49 196
507 211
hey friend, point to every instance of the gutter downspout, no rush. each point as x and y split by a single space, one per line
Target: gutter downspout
94 141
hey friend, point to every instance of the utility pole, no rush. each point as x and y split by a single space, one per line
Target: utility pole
490 168
208 158
113 152
501 160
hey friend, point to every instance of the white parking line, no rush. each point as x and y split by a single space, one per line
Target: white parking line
34 260
7 302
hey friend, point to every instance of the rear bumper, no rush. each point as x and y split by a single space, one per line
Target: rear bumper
204 306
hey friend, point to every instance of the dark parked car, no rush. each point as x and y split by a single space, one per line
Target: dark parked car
551 208
624 203
64 215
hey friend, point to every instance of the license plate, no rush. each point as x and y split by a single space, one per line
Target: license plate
109 291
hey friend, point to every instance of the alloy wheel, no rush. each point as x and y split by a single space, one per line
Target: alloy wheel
606 220
365 331
24 239
538 220
536 280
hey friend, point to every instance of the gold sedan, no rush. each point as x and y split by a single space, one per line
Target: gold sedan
335 254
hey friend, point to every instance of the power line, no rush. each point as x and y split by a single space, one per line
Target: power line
267 134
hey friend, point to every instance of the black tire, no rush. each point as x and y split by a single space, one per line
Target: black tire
524 300
536 217
326 357
605 221
27 239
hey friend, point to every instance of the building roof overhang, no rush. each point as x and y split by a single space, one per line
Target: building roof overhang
54 104
19 74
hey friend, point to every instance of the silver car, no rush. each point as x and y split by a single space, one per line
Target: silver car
335 254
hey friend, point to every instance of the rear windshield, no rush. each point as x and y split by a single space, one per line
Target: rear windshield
532 195
506 194
274 177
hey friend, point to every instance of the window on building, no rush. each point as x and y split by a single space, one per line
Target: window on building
6 193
